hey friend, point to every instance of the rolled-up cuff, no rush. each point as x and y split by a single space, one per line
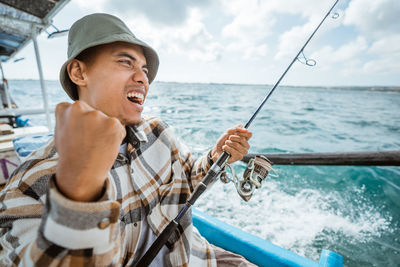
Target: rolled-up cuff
80 225
206 162
210 161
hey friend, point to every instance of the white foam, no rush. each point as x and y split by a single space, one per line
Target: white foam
296 221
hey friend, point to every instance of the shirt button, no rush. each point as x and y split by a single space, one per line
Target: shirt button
135 224
104 223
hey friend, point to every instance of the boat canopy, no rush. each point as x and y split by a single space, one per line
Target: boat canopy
20 22
21 19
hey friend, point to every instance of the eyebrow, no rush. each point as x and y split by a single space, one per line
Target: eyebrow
124 54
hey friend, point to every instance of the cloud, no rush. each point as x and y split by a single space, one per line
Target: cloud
353 49
93 5
253 21
170 26
387 52
163 13
250 25
292 40
374 18
388 45
193 40
306 8
171 12
358 57
345 59
249 30
190 39
376 49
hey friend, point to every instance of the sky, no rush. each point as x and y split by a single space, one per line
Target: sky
245 41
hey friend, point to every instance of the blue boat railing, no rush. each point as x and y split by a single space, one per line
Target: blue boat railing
255 249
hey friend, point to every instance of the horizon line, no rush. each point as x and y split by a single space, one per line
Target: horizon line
251 84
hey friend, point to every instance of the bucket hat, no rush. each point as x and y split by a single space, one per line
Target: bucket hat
97 29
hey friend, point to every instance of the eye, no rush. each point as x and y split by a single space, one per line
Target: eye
125 62
146 71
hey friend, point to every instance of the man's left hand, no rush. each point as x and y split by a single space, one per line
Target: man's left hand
235 141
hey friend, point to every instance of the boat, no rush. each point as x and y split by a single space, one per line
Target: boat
21 22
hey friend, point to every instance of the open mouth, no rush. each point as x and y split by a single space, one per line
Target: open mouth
137 98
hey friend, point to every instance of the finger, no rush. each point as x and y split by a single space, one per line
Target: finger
61 112
236 146
236 130
246 135
117 125
235 155
82 106
239 139
241 131
122 131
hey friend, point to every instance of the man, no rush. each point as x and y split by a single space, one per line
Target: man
3 95
110 181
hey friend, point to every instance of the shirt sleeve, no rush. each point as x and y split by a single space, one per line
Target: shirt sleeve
54 230
195 167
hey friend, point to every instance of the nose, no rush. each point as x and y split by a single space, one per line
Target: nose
140 77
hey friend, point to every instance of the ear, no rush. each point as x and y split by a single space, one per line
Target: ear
77 72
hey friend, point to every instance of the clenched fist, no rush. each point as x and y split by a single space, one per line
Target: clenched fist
87 142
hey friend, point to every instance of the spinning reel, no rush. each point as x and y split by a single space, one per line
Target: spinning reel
256 172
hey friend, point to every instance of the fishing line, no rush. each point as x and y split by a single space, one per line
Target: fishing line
218 166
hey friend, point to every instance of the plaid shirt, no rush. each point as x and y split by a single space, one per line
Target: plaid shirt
39 226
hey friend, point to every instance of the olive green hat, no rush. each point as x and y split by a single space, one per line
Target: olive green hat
97 29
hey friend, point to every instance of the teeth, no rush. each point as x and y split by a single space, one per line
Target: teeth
139 96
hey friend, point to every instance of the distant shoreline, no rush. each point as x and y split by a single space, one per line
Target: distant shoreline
385 88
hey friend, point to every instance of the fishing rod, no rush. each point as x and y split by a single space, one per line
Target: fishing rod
218 166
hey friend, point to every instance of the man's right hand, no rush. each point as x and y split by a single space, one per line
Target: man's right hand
87 142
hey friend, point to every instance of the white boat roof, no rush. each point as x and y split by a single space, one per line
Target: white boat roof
17 18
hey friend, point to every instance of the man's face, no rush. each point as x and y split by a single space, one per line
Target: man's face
117 82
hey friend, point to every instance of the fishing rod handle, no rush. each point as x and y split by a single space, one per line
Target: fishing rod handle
210 176
212 173
216 168
161 240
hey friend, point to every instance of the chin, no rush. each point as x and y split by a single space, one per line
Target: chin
132 120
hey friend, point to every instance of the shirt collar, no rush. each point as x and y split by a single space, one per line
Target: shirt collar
135 133
139 133
134 136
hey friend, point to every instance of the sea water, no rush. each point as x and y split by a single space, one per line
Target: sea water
354 211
